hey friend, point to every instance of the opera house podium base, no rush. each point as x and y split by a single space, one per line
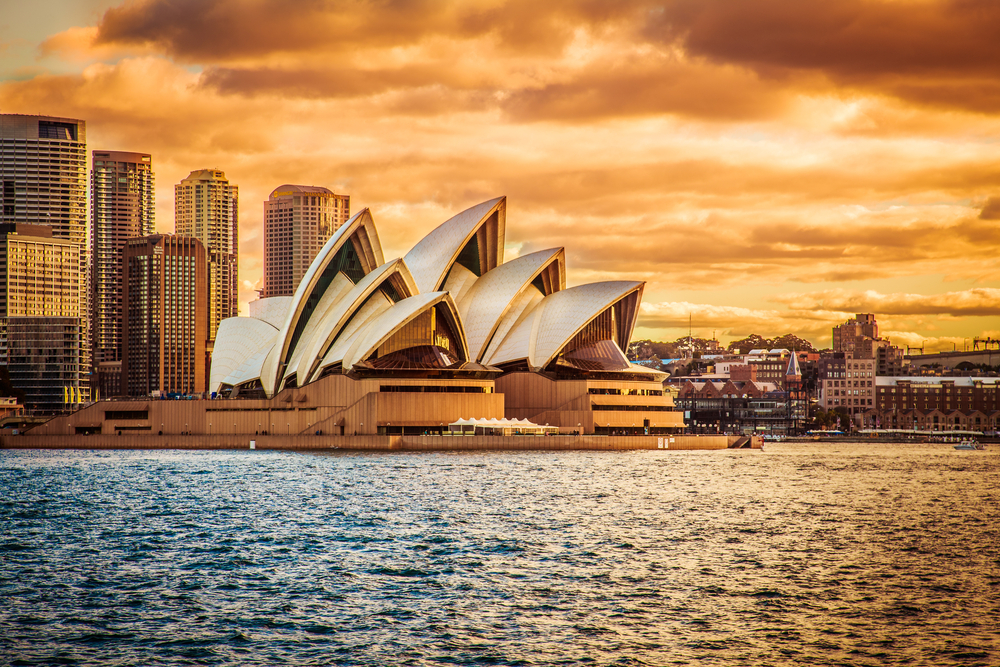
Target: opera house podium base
373 443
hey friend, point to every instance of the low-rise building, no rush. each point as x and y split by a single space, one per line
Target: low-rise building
937 403
748 407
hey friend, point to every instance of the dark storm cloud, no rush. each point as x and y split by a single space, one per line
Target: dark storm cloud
332 82
940 53
221 30
715 59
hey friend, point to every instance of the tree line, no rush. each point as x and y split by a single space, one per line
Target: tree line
648 349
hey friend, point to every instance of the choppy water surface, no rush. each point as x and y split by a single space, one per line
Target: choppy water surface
802 554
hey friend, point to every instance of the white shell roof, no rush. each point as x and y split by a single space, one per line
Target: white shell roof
521 308
361 226
335 293
431 259
392 320
505 318
483 306
330 322
249 369
557 319
360 319
272 310
459 281
237 339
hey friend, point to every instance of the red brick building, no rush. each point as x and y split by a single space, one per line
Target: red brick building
937 403
846 382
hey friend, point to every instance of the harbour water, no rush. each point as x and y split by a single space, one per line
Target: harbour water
818 554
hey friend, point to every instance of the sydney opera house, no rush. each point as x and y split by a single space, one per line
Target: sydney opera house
407 346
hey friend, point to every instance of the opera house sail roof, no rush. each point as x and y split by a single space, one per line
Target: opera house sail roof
451 305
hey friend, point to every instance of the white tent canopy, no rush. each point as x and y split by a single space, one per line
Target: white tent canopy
494 426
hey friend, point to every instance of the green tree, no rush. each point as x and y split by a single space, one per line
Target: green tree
792 342
751 342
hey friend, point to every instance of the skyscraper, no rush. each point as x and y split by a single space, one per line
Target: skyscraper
206 207
43 181
40 317
298 219
123 205
164 323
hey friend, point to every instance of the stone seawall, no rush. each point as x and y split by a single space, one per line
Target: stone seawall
371 442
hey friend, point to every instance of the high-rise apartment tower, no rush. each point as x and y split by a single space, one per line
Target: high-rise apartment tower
298 219
43 181
165 321
123 204
206 207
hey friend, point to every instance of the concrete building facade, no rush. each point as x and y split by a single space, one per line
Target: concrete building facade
298 220
123 206
206 207
165 322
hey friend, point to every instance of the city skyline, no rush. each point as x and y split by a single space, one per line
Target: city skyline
758 186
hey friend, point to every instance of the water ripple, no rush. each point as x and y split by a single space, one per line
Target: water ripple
804 554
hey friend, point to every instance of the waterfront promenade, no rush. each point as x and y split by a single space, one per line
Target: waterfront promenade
374 442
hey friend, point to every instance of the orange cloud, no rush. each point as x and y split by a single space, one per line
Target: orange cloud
991 211
973 302
939 53
722 151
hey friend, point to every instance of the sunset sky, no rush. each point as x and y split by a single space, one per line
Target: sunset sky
766 166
